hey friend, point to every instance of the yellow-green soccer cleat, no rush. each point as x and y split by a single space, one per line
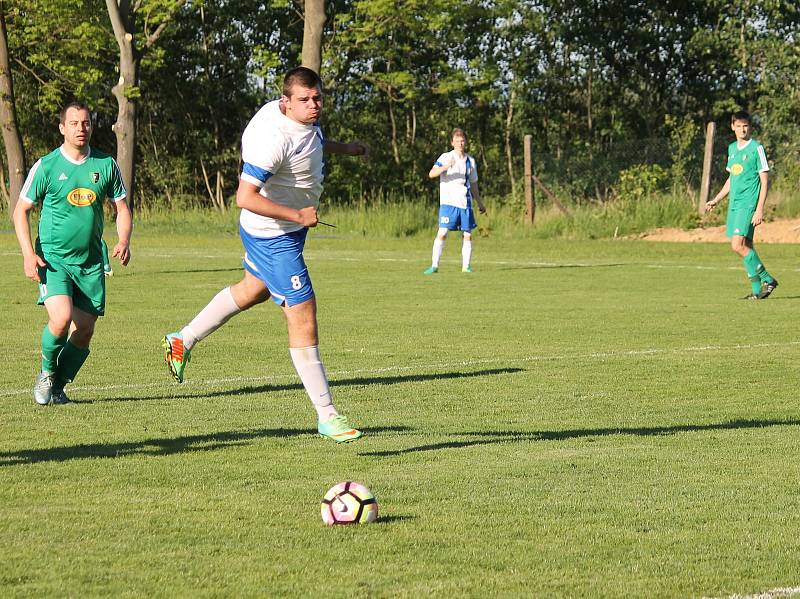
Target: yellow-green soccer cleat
176 355
339 430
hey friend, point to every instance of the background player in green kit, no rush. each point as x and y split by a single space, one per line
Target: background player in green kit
747 184
70 184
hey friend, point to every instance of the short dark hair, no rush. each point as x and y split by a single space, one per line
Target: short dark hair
458 131
78 105
740 115
302 76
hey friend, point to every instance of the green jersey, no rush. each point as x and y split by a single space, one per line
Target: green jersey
744 166
71 195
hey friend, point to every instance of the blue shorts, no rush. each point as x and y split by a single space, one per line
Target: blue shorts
453 218
278 261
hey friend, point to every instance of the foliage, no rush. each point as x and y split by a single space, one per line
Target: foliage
598 85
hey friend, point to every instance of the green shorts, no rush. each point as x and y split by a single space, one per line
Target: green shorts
740 222
86 285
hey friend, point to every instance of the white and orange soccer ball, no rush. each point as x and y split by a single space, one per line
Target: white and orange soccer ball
349 502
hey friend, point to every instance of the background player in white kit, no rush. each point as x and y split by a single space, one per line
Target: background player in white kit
279 190
458 187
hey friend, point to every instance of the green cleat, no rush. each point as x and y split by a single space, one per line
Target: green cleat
339 430
176 355
43 388
467 269
430 270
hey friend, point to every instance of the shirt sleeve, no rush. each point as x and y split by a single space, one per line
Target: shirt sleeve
263 154
35 187
116 186
473 173
763 165
441 160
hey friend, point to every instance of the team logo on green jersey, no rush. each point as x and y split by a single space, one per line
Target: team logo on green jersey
81 197
95 177
737 169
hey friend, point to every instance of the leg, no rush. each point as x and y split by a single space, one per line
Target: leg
245 294
75 352
466 252
54 338
744 248
438 248
301 320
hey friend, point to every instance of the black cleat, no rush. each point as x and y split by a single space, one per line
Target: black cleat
768 289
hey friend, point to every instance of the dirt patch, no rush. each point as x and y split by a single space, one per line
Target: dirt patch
779 231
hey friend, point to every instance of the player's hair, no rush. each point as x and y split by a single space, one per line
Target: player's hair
78 105
740 115
302 76
458 131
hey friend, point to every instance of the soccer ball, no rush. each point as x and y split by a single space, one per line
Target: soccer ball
349 502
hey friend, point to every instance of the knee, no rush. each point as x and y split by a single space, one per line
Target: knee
59 323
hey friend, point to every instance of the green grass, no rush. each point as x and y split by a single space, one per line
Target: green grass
575 419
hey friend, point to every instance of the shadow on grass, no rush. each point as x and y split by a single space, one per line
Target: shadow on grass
238 269
546 266
163 446
351 382
494 437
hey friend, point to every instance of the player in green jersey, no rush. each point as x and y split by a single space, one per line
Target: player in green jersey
70 184
747 186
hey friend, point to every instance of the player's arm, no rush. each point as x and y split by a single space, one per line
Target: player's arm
758 215
438 169
31 261
718 198
249 198
356 148
124 229
476 194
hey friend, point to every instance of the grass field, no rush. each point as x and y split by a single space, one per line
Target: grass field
575 419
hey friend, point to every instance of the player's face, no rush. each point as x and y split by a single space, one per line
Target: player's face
741 129
459 143
76 128
304 105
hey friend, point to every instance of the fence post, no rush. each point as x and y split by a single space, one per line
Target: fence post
530 201
708 155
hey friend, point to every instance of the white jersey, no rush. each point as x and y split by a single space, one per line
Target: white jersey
284 158
454 183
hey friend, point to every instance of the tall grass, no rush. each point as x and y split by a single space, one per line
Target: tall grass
391 217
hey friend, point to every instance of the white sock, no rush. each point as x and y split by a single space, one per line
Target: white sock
217 312
309 368
466 253
438 248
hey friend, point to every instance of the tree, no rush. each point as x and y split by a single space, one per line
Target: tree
314 22
123 20
15 151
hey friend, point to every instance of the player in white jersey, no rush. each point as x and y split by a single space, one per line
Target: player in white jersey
458 187
279 191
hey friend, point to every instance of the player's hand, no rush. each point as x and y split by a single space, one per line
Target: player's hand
758 217
122 251
31 265
308 217
452 162
482 209
710 205
362 149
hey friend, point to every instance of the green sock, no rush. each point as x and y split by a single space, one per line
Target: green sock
70 361
760 269
751 265
51 348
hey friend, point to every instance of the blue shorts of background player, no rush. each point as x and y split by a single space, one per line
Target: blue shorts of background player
453 218
278 261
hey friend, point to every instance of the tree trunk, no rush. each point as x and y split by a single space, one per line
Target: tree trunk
12 140
314 22
121 14
509 121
